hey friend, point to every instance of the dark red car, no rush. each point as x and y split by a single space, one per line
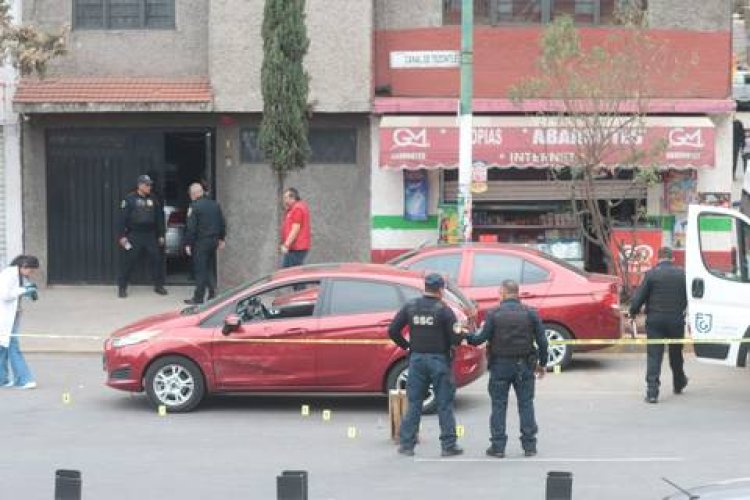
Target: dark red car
572 303
319 328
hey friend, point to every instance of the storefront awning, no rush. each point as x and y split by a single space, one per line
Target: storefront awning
415 142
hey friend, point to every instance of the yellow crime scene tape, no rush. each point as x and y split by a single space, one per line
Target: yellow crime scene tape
382 341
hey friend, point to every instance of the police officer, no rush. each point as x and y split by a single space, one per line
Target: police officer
664 293
512 329
206 231
432 333
141 230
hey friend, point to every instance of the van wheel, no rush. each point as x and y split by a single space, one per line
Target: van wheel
558 355
176 383
397 378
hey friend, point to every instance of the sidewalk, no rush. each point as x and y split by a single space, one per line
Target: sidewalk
89 311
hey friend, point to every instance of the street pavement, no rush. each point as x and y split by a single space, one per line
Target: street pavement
64 314
593 423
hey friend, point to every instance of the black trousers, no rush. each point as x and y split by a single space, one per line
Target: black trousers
664 326
204 264
143 242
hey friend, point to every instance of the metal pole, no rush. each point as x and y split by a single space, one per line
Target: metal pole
465 115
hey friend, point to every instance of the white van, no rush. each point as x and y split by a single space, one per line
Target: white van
717 265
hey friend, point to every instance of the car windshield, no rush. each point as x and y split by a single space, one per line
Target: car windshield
223 295
399 259
564 263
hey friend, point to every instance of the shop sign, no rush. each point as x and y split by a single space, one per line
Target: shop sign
544 146
410 59
479 177
637 251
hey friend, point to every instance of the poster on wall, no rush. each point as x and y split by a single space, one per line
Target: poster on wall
450 230
479 177
680 191
723 200
415 195
636 250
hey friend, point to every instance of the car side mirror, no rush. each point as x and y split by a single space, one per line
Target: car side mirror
231 324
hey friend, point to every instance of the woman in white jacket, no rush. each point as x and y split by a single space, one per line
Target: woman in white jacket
14 284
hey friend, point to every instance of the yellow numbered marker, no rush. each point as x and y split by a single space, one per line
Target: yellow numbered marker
305 410
162 411
326 415
557 369
66 398
460 430
351 432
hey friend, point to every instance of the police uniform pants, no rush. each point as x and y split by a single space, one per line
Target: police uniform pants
143 242
664 326
426 369
204 257
519 374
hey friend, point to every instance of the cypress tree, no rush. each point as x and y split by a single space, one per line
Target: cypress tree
285 87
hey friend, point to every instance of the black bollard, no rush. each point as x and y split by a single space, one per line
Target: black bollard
559 485
291 485
67 484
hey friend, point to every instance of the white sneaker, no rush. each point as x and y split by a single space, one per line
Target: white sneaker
28 385
7 384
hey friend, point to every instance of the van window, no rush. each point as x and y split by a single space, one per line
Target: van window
725 246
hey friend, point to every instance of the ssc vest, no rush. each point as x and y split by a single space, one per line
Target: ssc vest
514 333
426 332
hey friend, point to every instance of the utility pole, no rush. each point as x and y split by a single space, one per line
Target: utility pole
465 119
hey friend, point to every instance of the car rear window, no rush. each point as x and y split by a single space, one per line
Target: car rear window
447 264
355 297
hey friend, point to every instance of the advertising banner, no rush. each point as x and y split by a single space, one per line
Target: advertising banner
638 248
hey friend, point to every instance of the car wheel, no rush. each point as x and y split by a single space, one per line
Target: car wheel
560 355
397 378
176 383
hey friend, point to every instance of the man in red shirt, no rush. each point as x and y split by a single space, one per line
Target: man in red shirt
295 231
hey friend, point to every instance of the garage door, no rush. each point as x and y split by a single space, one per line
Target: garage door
88 173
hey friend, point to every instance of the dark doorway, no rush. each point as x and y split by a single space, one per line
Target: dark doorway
89 171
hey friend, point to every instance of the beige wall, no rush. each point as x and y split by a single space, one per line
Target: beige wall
167 53
699 15
339 60
398 14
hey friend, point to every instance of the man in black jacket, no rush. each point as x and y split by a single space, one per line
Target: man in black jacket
518 353
432 334
664 293
205 233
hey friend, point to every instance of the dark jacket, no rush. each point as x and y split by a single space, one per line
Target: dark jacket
488 329
663 291
141 214
205 221
437 338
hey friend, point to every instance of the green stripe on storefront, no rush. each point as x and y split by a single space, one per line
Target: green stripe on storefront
717 223
398 222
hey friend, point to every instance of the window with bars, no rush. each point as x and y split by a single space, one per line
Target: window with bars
124 14
327 146
492 12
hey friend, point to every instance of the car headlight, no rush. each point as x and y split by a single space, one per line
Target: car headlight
133 338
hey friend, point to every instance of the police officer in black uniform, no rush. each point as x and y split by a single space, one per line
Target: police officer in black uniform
432 333
206 231
141 230
512 329
664 293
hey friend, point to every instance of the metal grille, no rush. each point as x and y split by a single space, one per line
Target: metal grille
124 14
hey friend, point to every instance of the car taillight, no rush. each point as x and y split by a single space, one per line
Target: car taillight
175 218
609 297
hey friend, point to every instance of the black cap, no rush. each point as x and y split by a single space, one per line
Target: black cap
434 280
145 179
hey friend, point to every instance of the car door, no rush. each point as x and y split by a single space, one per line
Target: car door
354 327
489 268
718 281
269 350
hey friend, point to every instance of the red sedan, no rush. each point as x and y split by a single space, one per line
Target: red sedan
320 328
573 304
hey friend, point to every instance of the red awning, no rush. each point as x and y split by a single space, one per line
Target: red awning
409 142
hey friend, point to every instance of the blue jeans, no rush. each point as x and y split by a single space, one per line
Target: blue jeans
21 373
518 373
426 369
293 258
